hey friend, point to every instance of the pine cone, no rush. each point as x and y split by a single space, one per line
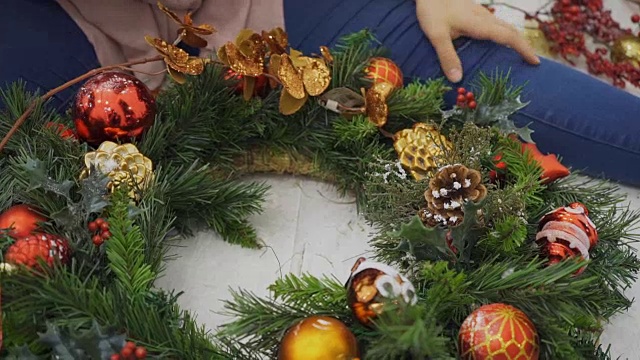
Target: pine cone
449 189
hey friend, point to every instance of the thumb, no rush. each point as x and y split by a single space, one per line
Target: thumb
449 60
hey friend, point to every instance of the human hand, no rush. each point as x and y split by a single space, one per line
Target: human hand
446 20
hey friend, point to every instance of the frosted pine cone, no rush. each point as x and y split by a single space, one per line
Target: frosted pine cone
449 189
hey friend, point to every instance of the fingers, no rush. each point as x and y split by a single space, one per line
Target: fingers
501 32
449 60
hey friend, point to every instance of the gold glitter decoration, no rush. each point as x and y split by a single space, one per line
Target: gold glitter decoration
277 40
376 103
421 149
190 33
291 78
626 48
123 164
231 55
290 105
316 76
178 61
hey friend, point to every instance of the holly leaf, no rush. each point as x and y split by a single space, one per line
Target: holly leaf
94 343
39 178
61 343
21 353
499 116
94 192
423 242
465 236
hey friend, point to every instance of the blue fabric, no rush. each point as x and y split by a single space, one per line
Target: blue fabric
41 45
590 124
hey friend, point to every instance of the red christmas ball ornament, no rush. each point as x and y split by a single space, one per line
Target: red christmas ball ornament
384 70
112 106
498 332
21 220
567 232
27 250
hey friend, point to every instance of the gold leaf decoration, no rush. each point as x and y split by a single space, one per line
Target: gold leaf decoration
376 103
191 34
177 60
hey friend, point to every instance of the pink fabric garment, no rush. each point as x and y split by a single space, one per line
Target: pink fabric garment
116 28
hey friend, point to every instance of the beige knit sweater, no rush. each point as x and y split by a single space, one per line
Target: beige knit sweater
116 28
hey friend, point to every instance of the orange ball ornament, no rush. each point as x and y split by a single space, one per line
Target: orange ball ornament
112 106
567 232
21 220
28 250
319 338
498 332
384 70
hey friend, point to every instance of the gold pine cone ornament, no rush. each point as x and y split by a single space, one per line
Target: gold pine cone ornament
421 149
123 164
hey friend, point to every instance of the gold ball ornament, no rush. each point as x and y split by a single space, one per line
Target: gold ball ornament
123 164
319 338
626 48
371 285
421 149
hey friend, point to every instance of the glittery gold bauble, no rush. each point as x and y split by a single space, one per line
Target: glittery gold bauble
371 284
421 149
626 48
123 164
498 332
319 338
111 106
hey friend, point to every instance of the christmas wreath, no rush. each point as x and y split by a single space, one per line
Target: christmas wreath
485 247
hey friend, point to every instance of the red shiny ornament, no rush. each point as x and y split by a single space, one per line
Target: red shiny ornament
27 250
21 220
567 232
112 106
260 87
498 332
384 70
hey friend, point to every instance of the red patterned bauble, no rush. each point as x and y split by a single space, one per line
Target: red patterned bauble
259 88
21 220
567 232
498 332
384 70
27 250
371 284
318 338
112 106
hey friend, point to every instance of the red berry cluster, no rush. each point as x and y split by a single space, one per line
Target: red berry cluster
100 229
130 352
466 99
571 21
499 167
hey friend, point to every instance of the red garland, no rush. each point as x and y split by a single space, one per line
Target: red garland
584 29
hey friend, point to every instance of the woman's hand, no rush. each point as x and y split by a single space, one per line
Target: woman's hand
445 20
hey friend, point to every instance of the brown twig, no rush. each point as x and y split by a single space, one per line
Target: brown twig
64 86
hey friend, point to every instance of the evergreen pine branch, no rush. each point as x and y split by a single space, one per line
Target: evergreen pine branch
307 291
351 56
408 333
125 249
196 197
496 88
417 100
